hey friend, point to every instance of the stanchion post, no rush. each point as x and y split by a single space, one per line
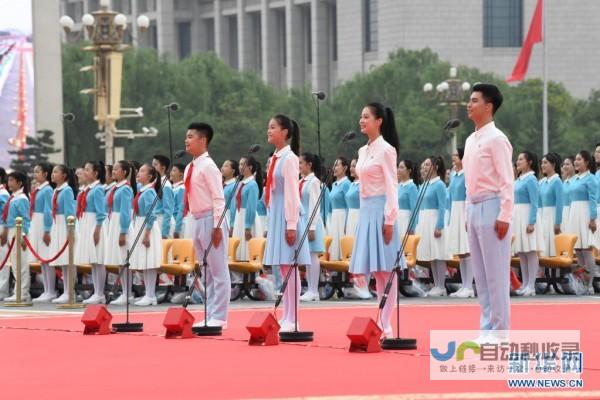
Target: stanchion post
18 267
70 283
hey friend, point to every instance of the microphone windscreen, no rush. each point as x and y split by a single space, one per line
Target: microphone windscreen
254 148
179 153
349 136
320 94
172 106
453 123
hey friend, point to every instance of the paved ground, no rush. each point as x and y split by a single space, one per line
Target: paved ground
44 309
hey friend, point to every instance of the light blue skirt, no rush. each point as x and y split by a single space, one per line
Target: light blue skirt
370 253
277 251
317 245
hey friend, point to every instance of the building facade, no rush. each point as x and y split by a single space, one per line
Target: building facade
321 43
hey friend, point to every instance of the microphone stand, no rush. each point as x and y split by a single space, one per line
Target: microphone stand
213 330
319 96
399 343
67 119
170 108
128 326
295 335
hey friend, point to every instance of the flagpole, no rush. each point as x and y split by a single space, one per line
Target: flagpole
545 96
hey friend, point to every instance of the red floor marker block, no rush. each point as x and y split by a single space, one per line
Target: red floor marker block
364 335
264 330
96 320
178 322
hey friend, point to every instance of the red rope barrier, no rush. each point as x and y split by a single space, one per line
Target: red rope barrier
10 247
36 255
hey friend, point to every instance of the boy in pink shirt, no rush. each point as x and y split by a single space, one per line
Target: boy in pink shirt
489 183
205 201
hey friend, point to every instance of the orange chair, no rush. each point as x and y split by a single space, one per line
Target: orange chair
558 266
410 250
410 255
325 256
233 244
346 243
166 248
340 277
514 260
565 248
184 258
249 269
256 251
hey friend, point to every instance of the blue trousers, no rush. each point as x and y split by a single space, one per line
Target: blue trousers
491 264
218 283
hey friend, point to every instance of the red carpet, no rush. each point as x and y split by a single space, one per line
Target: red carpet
48 357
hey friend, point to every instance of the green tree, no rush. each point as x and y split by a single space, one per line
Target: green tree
239 105
37 149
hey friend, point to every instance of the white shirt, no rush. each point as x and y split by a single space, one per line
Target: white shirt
206 191
376 169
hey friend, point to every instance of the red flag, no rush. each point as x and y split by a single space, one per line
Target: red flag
534 35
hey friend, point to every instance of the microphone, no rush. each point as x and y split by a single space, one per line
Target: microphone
253 149
172 107
349 136
320 94
451 124
180 153
68 117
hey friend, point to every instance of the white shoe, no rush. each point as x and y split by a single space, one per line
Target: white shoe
95 299
178 298
13 298
528 292
465 293
480 339
44 298
217 322
198 324
308 296
437 292
121 300
363 293
146 301
591 290
497 337
520 290
491 337
387 333
286 326
455 294
350 293
63 299
356 293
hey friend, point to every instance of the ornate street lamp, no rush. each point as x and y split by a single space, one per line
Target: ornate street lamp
106 29
451 94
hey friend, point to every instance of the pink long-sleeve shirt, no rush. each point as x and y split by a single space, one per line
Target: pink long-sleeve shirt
206 193
290 170
376 170
488 167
